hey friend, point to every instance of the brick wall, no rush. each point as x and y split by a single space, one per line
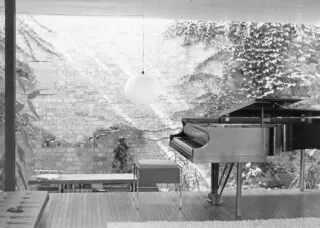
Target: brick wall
83 91
89 157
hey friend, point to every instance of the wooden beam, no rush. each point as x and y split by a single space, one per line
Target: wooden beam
10 94
285 11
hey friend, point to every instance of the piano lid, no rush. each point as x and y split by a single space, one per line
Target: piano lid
271 106
282 110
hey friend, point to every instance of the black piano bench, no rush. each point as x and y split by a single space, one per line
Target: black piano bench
149 171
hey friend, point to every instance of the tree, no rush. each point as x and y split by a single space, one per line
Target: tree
123 160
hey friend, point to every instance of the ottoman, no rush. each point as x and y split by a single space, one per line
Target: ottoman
149 171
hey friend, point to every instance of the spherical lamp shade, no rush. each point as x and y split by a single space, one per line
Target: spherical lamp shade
142 89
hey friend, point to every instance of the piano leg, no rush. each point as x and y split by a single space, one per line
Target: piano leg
302 162
238 194
214 195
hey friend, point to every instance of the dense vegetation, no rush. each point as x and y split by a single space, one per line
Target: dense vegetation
123 159
258 60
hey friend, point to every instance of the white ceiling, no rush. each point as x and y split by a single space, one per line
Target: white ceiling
294 11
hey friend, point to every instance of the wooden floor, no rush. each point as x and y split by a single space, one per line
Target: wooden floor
97 209
21 208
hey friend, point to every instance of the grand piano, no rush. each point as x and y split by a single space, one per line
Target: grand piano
247 133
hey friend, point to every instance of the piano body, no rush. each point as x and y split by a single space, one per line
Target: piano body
247 133
216 143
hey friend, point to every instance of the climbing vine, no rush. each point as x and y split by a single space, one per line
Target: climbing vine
269 58
258 60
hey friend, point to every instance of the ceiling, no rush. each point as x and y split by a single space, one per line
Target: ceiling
293 11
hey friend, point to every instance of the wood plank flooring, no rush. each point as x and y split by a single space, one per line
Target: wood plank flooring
94 210
21 208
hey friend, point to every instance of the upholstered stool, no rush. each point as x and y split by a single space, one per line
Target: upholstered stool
157 171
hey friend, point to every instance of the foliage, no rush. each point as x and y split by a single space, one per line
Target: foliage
261 56
222 100
25 112
123 159
49 140
102 132
312 169
27 40
258 60
190 181
270 57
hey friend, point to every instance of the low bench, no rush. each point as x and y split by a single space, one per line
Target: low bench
73 179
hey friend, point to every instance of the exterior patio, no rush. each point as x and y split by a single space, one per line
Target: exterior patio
99 209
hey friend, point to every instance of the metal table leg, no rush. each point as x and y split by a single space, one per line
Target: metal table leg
302 163
177 185
137 187
62 188
214 195
238 194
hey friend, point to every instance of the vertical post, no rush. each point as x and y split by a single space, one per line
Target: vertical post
302 162
215 177
135 176
175 160
238 194
214 196
284 138
137 187
180 196
262 116
10 94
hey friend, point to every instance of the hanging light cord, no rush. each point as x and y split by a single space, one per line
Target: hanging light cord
142 72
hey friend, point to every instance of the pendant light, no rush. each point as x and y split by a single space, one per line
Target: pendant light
142 88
